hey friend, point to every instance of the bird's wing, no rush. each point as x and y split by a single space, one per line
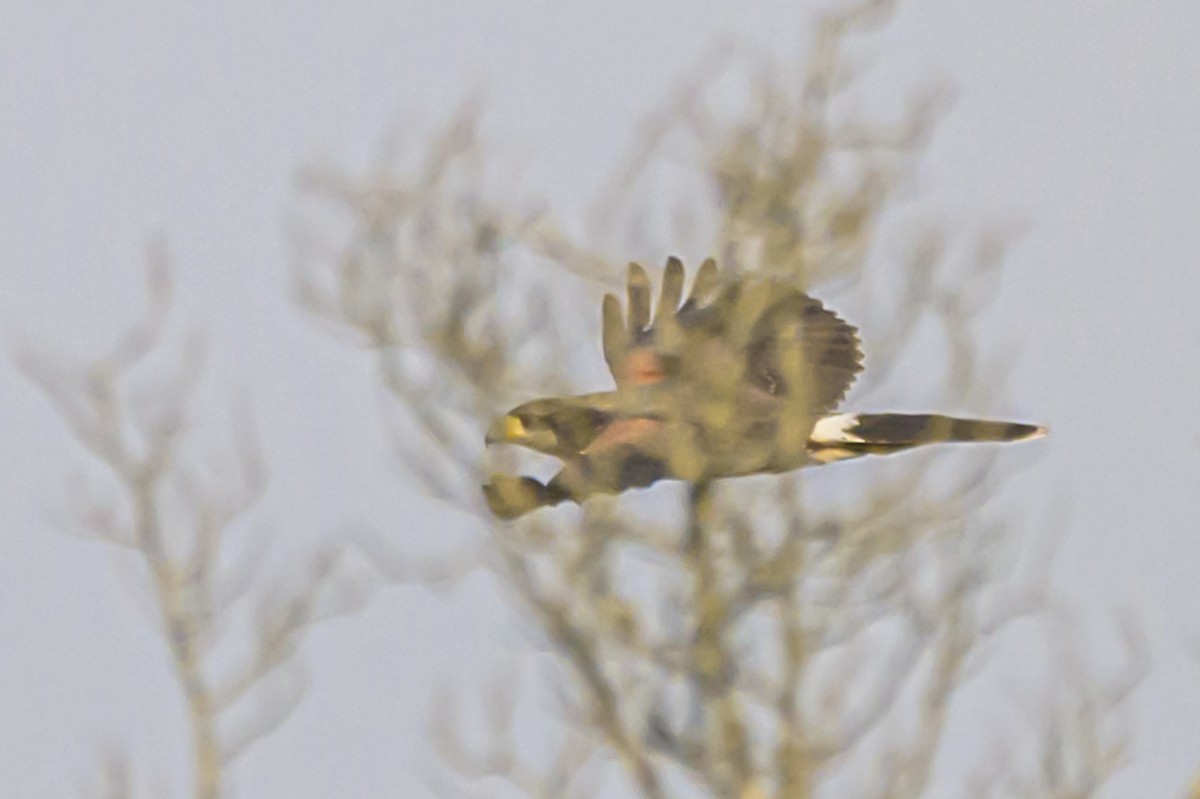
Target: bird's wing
826 344
729 330
640 348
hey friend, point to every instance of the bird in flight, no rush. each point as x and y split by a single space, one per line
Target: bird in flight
743 376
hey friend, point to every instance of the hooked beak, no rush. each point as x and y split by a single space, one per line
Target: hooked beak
505 430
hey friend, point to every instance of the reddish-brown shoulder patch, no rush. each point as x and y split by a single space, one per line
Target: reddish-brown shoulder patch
642 367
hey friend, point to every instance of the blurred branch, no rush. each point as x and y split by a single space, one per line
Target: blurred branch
725 748
567 774
1081 736
177 522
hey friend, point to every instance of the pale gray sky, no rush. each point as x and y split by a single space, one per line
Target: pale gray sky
122 119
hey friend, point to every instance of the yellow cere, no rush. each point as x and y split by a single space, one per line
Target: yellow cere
513 427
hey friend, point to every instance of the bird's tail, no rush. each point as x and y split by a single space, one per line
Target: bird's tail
849 435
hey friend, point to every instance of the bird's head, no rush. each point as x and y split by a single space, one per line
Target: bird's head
559 426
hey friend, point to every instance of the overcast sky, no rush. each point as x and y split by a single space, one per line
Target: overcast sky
126 119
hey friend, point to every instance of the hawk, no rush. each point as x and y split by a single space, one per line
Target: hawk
743 376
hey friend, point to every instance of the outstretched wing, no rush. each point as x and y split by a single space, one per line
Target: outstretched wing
827 345
640 349
741 329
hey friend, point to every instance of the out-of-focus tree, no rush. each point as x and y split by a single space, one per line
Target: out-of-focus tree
784 636
186 520
776 642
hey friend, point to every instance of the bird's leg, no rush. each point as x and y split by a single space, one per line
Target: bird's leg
509 497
